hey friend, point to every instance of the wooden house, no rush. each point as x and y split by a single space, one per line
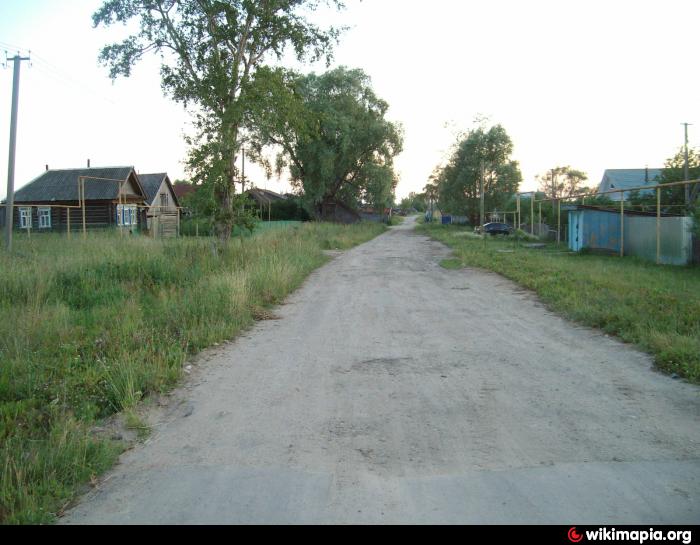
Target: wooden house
264 200
264 197
112 197
163 212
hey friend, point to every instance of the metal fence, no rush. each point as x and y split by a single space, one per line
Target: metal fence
657 236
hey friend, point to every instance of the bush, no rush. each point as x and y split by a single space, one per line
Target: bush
290 209
524 235
696 221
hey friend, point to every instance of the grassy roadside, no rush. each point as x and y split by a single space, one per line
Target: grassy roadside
88 329
656 308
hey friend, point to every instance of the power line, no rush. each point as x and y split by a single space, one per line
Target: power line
13 46
60 77
49 69
67 79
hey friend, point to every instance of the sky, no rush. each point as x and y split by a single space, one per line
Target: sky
591 84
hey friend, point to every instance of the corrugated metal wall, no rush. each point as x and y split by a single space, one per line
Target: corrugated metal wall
676 239
600 230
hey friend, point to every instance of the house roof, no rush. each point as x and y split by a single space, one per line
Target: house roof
265 196
62 185
151 184
182 189
628 178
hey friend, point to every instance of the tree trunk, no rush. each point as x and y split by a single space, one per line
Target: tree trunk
223 223
320 211
226 216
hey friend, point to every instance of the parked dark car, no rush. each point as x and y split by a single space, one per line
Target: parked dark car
498 229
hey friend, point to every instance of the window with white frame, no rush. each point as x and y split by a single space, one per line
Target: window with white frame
164 200
44 218
25 218
127 215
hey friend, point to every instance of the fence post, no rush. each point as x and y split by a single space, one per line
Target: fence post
658 226
68 222
558 222
532 216
622 225
122 204
539 229
82 195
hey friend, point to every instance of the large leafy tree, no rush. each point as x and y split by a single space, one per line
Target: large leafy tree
213 59
459 181
674 171
334 139
415 201
562 182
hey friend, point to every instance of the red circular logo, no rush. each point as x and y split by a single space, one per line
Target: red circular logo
574 536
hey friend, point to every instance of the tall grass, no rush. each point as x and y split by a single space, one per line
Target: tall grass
89 328
655 307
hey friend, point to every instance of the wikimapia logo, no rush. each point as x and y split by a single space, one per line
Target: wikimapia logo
634 536
574 536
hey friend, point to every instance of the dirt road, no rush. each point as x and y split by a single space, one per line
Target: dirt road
392 390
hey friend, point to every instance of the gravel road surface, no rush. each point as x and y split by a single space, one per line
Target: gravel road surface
391 390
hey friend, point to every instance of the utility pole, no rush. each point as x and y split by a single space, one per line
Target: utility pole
481 213
9 210
686 169
554 187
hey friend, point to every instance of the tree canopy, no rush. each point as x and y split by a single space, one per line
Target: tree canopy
335 140
415 201
458 182
562 182
213 57
674 171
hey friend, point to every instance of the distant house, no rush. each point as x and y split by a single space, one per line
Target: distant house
113 197
162 214
264 197
628 179
182 189
264 200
